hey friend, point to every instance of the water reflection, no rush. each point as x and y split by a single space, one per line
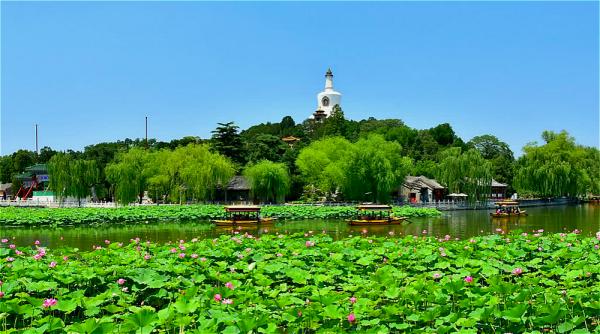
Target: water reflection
456 224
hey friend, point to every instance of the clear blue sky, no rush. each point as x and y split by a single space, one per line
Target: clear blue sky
90 72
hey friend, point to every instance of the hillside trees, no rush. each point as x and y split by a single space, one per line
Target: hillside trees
227 141
498 153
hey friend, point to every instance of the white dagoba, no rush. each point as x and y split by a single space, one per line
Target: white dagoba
328 98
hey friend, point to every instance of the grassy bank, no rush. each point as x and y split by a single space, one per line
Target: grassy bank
136 214
236 284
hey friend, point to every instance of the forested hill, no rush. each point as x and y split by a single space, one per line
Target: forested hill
363 159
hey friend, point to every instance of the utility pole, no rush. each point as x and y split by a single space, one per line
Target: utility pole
36 140
146 132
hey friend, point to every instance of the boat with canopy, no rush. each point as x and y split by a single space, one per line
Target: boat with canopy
508 208
375 214
242 215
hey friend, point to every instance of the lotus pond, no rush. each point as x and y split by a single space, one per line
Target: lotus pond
457 224
16 216
307 283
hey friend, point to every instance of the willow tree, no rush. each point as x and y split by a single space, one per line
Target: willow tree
191 172
128 175
200 171
72 177
560 167
268 180
374 169
465 172
369 169
322 163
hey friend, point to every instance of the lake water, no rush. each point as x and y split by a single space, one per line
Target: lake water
457 224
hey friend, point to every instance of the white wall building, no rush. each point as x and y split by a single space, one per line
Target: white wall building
328 98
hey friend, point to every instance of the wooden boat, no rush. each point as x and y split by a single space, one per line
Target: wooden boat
506 209
594 199
242 215
375 214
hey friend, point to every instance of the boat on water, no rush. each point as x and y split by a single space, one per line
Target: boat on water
595 199
505 209
375 214
242 215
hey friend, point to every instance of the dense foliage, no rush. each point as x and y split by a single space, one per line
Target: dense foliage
152 213
191 171
269 181
560 167
69 177
369 169
465 172
307 283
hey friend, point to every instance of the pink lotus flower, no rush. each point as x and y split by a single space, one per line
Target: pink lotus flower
65 258
194 256
424 232
182 247
351 318
203 259
107 242
121 281
352 300
147 257
18 252
279 255
469 279
217 297
37 242
227 301
173 250
437 275
10 259
443 254
181 255
576 231
52 264
309 243
12 246
49 303
1 294
229 285
37 256
517 271
4 241
596 246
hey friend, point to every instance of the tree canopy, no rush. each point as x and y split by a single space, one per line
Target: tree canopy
269 181
558 168
72 177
